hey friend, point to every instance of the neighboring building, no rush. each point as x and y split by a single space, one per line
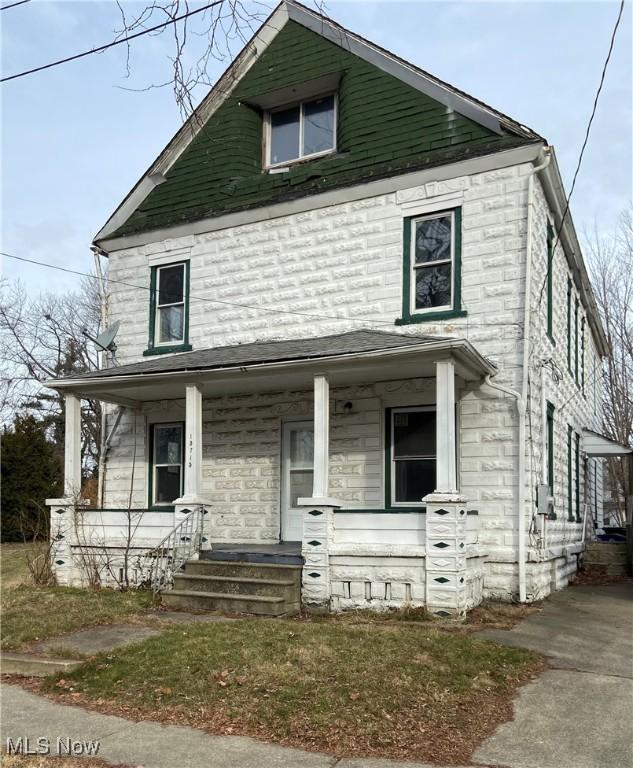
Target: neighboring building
351 318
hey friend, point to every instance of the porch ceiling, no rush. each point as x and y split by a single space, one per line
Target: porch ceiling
347 358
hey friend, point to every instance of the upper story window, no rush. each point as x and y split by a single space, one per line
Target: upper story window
432 267
302 131
550 280
169 309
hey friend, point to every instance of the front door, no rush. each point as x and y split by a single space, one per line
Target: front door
297 469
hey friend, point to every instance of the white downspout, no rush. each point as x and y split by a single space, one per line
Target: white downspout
521 397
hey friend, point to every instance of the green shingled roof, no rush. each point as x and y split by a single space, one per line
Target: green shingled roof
384 127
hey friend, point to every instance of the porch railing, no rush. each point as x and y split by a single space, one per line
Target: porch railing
156 568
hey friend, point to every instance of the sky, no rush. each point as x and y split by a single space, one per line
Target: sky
77 137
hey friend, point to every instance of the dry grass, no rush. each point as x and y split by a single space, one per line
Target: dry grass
389 690
14 562
42 761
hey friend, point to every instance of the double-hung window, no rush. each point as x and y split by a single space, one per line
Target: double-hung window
432 267
166 481
549 446
169 308
412 455
550 278
301 131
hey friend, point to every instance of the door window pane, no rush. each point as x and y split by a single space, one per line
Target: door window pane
318 125
302 449
414 479
284 135
168 445
300 485
171 323
167 484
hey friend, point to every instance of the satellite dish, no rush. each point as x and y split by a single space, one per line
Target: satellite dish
105 340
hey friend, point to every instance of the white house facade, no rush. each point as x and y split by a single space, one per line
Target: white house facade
387 383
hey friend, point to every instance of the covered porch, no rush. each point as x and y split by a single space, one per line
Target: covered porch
303 446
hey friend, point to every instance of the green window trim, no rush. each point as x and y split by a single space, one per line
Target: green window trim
582 357
570 499
184 345
389 506
409 314
577 488
550 447
569 325
550 267
576 368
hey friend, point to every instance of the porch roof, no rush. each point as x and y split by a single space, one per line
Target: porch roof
351 357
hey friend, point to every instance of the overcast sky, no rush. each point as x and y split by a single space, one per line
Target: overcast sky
74 141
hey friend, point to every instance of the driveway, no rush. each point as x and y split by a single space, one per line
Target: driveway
579 713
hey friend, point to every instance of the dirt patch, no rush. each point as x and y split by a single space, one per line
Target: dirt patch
597 576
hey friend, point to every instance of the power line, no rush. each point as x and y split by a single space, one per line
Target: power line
13 5
586 139
105 47
207 299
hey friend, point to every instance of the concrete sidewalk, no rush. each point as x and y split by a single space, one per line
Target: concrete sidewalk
579 713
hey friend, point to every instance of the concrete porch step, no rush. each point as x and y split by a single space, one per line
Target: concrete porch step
239 569
260 605
288 589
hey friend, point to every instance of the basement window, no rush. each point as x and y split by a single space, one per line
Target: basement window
301 131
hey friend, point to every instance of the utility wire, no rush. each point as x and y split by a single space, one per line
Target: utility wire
584 144
105 47
340 318
13 5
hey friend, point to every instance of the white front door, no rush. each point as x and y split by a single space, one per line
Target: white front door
297 469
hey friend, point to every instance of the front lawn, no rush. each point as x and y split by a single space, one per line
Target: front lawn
35 613
376 689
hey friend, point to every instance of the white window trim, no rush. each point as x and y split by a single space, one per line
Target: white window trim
413 310
268 135
392 459
155 464
158 306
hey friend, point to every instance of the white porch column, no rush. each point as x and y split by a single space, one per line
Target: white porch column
321 436
192 496
72 446
445 437
318 520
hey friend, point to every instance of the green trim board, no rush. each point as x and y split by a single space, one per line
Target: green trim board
570 500
158 349
569 325
550 268
576 311
582 356
409 314
385 127
550 447
577 464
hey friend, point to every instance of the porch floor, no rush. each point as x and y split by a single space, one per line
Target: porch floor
281 553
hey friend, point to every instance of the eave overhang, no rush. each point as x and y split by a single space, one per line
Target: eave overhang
413 361
595 444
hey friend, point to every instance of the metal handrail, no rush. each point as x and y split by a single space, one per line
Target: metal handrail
157 567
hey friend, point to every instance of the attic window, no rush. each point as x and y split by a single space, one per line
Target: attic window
301 131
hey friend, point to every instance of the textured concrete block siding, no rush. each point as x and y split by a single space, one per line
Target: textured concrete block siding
346 260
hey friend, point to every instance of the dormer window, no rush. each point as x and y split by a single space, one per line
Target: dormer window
301 131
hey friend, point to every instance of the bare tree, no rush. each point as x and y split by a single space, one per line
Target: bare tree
611 266
43 339
214 34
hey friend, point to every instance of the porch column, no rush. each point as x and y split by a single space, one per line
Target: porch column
447 578
318 519
192 496
72 446
446 481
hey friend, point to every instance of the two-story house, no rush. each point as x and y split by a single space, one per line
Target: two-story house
358 346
